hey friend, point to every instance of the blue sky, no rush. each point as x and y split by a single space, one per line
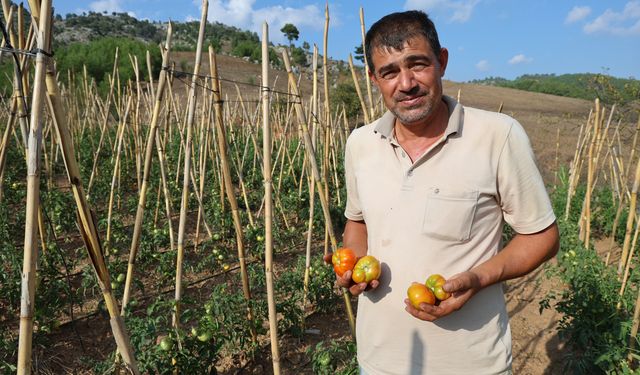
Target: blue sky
505 38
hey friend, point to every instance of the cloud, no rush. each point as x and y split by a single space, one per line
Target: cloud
577 13
520 59
456 11
483 65
243 14
623 23
106 6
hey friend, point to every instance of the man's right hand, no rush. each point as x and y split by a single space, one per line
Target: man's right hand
345 280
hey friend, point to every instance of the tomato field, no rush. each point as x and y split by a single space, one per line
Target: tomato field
178 224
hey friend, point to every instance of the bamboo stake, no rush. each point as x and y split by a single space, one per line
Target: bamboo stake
268 210
86 220
162 159
187 166
633 149
151 143
116 169
630 218
312 193
367 119
366 67
327 112
94 168
590 176
28 291
319 181
228 183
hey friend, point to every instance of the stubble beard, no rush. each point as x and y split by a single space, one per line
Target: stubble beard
417 113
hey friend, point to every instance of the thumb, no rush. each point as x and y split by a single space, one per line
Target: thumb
454 284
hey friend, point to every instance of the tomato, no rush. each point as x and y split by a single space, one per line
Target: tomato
366 269
419 293
343 260
435 283
204 336
166 343
120 278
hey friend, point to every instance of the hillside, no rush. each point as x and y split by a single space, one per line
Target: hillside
542 115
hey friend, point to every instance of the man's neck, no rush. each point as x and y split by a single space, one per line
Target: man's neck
418 137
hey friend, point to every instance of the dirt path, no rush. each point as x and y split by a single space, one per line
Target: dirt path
535 343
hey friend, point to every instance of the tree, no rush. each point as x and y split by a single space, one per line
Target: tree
291 32
359 53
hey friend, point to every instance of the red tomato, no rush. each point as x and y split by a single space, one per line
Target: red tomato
343 260
435 283
419 293
366 269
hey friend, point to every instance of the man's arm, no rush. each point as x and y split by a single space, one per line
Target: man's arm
355 237
523 254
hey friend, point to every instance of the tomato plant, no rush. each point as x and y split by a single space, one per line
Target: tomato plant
366 269
419 293
344 259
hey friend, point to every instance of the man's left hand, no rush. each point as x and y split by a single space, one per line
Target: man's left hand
461 286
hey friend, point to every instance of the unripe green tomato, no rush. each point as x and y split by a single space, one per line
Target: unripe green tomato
166 343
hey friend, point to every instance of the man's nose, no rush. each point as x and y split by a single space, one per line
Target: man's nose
406 80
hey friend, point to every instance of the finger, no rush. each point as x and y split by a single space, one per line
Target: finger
419 313
454 284
373 284
344 280
357 289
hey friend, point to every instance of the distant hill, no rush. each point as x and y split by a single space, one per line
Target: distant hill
583 85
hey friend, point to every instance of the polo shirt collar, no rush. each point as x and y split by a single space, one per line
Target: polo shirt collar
456 115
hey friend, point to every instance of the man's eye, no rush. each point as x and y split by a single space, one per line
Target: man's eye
418 67
388 75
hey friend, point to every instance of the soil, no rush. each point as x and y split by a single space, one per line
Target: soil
552 123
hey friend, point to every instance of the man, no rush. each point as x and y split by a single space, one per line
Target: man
429 186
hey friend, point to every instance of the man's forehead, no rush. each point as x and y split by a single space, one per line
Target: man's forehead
416 43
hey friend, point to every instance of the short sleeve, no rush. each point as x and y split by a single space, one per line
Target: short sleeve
353 210
523 196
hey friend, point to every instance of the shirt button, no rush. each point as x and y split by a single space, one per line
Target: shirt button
410 173
436 191
403 154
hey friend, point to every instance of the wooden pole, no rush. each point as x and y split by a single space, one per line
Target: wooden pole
367 119
148 155
228 184
630 219
268 202
187 167
366 69
320 185
28 291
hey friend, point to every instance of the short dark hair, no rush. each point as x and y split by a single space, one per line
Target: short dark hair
394 29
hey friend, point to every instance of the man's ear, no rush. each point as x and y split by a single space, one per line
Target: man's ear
443 59
372 76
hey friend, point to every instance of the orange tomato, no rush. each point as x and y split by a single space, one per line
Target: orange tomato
366 269
419 293
434 283
343 260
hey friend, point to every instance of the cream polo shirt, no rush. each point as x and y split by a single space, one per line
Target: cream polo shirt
442 214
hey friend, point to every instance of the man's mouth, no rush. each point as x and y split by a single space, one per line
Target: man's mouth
410 100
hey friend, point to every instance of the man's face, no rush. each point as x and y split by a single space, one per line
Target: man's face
410 80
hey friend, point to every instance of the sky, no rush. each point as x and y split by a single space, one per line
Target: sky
485 38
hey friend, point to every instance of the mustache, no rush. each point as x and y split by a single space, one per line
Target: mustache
414 92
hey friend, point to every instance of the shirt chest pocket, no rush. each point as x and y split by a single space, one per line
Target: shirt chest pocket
449 214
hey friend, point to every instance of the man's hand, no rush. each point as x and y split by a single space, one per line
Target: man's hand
346 282
461 286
